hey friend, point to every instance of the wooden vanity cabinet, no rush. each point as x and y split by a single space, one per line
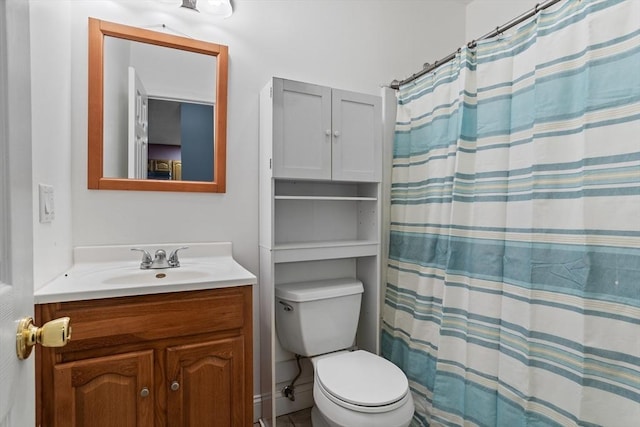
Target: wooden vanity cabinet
175 359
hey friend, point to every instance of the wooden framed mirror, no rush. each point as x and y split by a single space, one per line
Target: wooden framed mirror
122 119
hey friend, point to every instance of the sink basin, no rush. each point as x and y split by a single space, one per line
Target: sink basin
152 277
111 271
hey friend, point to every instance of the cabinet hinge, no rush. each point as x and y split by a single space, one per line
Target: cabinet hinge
269 163
271 92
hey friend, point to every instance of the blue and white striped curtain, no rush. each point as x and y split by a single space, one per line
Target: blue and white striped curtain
513 294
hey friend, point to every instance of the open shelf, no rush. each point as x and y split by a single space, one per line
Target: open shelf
330 198
325 190
323 219
306 251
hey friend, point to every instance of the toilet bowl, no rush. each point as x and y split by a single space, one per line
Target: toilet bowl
319 320
358 388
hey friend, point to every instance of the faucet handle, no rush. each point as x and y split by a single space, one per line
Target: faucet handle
160 255
173 258
146 258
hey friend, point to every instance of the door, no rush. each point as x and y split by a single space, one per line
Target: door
301 130
357 136
16 229
196 134
111 391
138 145
206 384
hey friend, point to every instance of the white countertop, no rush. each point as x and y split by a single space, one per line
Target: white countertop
114 271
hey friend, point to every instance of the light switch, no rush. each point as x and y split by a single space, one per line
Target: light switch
47 209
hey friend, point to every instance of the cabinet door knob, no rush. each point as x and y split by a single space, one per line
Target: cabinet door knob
144 392
175 386
336 134
327 132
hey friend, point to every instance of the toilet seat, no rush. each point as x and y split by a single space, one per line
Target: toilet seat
361 381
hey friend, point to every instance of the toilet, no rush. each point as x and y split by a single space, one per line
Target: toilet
319 320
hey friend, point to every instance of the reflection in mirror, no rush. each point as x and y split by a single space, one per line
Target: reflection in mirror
180 135
157 110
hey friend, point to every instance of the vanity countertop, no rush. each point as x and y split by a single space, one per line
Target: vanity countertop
114 271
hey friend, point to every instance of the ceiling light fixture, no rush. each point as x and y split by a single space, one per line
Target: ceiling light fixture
190 4
220 8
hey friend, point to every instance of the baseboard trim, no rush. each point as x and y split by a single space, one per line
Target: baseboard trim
257 408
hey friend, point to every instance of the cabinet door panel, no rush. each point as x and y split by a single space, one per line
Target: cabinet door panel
105 391
357 140
206 384
301 130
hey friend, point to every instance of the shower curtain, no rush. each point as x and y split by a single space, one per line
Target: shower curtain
513 283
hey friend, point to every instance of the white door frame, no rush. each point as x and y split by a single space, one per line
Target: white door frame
17 378
138 127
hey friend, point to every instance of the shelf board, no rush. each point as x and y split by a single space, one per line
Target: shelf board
333 198
309 251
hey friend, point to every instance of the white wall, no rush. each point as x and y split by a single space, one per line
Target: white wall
194 80
116 107
328 42
483 16
51 84
356 45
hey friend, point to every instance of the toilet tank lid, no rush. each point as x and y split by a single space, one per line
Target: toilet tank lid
318 289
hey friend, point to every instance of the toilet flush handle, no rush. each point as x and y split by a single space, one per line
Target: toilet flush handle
287 307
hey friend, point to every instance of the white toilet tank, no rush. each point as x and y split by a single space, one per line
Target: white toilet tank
318 317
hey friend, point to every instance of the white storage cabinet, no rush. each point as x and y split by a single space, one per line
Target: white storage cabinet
324 133
320 168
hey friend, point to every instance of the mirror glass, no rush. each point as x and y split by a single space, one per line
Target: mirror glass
157 110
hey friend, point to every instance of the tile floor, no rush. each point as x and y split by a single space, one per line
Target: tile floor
295 419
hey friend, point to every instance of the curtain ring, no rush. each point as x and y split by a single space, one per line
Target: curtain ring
536 8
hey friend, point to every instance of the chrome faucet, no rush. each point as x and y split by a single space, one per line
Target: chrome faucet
160 259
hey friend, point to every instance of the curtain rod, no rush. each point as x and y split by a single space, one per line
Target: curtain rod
499 30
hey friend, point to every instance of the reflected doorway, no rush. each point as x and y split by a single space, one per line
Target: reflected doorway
180 135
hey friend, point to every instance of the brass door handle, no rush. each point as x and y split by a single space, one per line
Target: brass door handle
55 333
